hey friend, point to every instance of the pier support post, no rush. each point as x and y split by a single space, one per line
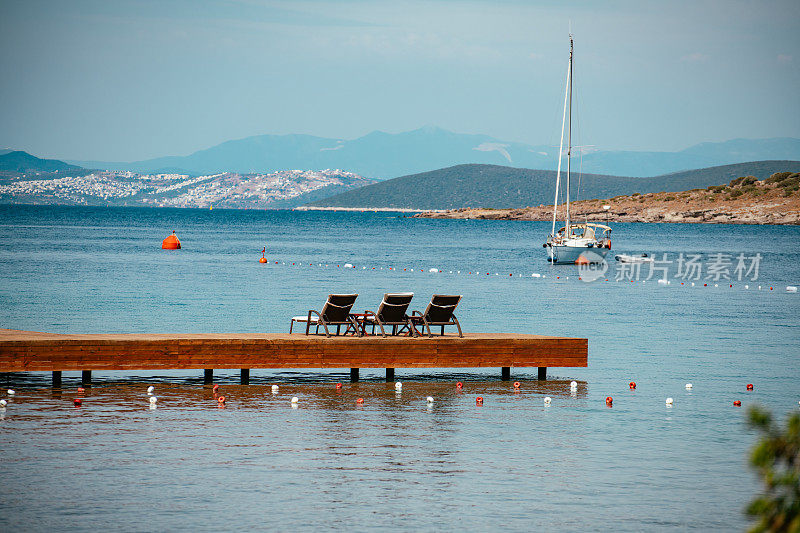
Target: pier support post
390 374
208 376
245 376
56 379
86 377
353 375
542 373
505 373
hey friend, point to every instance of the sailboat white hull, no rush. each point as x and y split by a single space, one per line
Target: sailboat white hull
560 254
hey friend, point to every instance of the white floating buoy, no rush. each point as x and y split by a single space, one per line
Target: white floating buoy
663 282
791 288
295 399
747 286
150 389
11 392
433 270
536 275
573 385
3 404
153 400
547 400
348 265
430 399
398 386
274 389
688 386
693 284
669 401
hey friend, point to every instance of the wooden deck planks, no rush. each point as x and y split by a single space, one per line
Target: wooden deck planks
33 351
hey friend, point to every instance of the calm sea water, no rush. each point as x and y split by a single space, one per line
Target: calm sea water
393 462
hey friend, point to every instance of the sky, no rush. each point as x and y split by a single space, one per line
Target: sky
131 80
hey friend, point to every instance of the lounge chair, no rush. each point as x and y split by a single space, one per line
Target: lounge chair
392 312
335 312
440 312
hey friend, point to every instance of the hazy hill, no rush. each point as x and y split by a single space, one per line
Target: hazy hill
385 155
22 162
507 187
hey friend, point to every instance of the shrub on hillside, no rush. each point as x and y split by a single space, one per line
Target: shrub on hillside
778 176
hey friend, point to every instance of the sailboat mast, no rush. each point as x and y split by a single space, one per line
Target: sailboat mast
560 152
569 139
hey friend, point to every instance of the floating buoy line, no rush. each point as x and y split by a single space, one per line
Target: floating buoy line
221 400
677 283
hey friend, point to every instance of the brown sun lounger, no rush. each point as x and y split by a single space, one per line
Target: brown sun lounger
335 312
392 312
440 312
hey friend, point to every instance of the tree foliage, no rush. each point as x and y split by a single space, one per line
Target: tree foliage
776 457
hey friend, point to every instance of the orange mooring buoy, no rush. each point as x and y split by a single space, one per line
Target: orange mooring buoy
263 259
171 242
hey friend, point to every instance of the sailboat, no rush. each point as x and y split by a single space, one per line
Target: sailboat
575 242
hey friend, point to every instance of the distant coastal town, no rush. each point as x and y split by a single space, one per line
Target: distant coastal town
226 189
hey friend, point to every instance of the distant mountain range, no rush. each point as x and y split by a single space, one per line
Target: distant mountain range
384 155
496 186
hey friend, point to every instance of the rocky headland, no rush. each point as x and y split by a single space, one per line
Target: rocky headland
745 200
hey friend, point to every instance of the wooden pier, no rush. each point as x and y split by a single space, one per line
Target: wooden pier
29 351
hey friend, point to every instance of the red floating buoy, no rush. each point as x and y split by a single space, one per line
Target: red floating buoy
632 385
215 388
360 401
77 402
221 399
338 386
459 385
479 400
749 386
516 384
262 260
171 242
609 401
81 389
737 403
